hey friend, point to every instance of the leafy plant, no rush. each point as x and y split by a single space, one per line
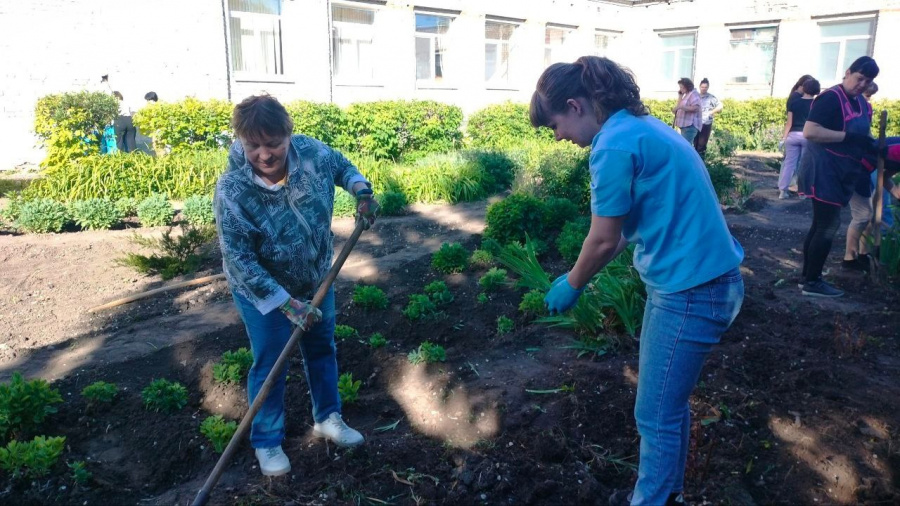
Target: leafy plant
218 431
522 260
127 206
419 307
25 404
722 177
100 392
198 210
427 353
80 474
481 298
348 389
344 204
504 325
178 255
571 238
370 297
188 124
233 366
32 459
493 279
155 211
501 125
451 258
393 203
10 213
70 125
95 214
377 340
344 332
515 217
558 211
42 216
481 258
533 303
164 395
393 129
322 121
439 293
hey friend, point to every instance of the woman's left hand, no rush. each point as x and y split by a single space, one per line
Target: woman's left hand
562 296
366 207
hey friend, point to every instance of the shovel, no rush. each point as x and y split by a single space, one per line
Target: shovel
877 201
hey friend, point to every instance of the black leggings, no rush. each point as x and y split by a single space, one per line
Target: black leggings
826 219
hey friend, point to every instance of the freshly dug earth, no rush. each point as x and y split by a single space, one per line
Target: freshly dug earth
800 403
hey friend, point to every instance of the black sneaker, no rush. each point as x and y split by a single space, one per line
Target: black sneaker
860 264
820 288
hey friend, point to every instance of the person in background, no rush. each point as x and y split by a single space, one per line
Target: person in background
709 107
792 139
124 126
273 208
151 96
142 142
889 198
797 90
688 116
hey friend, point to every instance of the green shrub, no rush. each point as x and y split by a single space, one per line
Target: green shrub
554 169
70 125
427 353
344 204
504 325
218 431
501 125
392 129
43 216
100 392
178 255
233 366
186 124
127 206
80 474
392 203
419 307
662 109
499 169
25 404
325 122
558 211
164 395
481 298
95 214
450 259
444 177
513 217
723 180
571 239
348 389
893 119
10 213
377 340
370 297
155 211
481 258
439 293
493 280
32 459
344 332
198 210
533 303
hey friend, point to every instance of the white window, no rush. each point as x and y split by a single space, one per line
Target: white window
752 55
676 56
498 50
256 36
352 40
555 39
841 42
602 41
431 47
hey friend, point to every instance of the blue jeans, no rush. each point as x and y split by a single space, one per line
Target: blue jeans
689 133
678 333
268 334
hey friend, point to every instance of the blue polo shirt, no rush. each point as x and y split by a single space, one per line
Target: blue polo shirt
643 170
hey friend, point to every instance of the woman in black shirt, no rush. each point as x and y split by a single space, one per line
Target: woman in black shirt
793 140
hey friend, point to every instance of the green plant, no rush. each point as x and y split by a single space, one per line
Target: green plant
10 213
393 203
95 214
127 206
481 258
439 293
25 404
178 255
70 125
377 340
501 125
100 392
443 177
523 262
32 459
427 353
451 258
80 474
344 332
164 395
218 431
481 298
186 124
557 212
419 307
493 279
348 389
233 366
722 177
514 217
571 238
554 169
393 129
322 121
533 303
370 297
504 325
155 211
198 210
889 252
42 216
344 204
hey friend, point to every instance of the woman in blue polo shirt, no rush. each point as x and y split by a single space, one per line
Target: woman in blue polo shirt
649 188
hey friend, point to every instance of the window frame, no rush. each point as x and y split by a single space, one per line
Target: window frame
660 35
610 36
570 32
842 50
433 82
280 76
356 79
732 28
494 82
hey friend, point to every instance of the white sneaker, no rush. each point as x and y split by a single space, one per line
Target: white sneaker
337 431
273 461
784 195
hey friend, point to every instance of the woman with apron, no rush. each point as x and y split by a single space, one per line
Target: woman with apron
838 130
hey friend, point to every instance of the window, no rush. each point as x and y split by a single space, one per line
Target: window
601 43
554 44
352 40
840 43
256 36
752 55
431 47
677 56
497 51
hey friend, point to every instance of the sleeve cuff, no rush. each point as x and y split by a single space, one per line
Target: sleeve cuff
266 306
353 180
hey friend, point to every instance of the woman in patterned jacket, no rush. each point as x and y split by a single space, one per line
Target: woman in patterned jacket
273 213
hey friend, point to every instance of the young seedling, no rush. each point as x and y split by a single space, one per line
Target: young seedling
25 404
533 303
482 259
218 431
348 389
370 297
80 474
439 293
504 325
427 354
377 340
344 332
164 395
233 367
33 458
482 298
419 307
450 259
493 279
100 392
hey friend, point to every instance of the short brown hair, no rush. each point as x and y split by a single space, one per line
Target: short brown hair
261 114
687 83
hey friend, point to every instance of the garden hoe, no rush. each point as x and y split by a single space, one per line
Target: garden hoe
875 253
288 350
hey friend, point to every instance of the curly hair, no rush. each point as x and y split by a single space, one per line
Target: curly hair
609 87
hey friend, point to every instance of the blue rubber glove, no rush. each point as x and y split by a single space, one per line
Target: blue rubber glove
562 296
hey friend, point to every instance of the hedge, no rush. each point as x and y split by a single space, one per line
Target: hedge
503 125
70 125
392 129
187 124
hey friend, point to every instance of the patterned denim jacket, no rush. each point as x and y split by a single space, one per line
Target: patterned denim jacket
278 243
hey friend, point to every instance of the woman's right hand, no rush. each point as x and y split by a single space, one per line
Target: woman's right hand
301 314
